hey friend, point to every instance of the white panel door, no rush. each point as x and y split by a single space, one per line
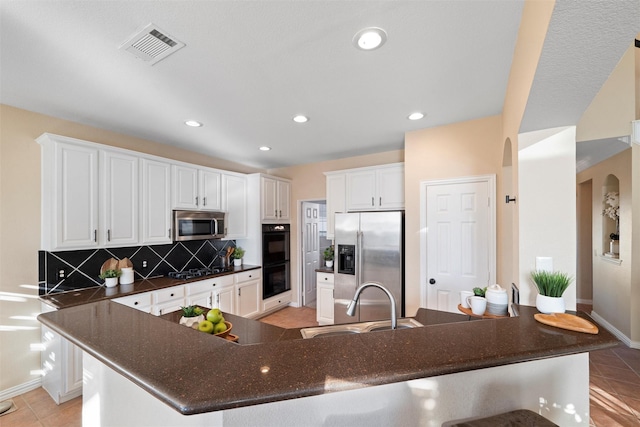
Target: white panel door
311 241
209 198
120 199
77 196
156 202
458 242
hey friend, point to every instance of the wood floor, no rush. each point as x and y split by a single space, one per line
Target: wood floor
614 386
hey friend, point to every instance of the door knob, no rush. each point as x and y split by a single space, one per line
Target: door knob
432 281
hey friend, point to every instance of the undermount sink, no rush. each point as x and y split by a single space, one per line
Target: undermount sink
357 328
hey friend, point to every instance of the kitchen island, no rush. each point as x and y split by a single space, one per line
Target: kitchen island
450 369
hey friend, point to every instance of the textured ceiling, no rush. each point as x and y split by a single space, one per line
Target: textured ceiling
249 66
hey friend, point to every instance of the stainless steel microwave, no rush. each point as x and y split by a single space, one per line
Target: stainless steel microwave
199 225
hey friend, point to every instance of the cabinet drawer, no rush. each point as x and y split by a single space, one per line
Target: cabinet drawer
325 278
135 301
285 298
245 276
209 284
169 294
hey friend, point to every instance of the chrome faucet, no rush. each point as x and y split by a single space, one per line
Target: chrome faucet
351 308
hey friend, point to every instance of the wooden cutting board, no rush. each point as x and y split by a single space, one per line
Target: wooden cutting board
567 321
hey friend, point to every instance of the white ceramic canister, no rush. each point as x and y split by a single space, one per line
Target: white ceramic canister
126 275
497 300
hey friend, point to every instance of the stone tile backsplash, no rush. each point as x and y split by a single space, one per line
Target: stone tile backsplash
69 270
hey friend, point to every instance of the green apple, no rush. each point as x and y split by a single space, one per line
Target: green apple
206 326
219 327
214 316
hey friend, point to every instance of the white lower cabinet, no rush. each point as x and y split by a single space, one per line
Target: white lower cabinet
140 302
225 300
248 293
61 367
213 293
168 300
324 298
276 302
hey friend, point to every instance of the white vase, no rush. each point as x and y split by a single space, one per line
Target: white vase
110 282
328 263
190 321
548 305
237 262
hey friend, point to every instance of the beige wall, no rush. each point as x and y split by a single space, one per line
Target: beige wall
462 149
613 108
613 299
20 223
309 183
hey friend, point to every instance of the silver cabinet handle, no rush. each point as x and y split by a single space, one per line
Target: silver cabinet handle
218 299
381 201
204 201
108 235
196 200
239 291
210 301
372 201
169 232
276 213
95 235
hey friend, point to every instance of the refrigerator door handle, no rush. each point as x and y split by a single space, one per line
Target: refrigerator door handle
359 258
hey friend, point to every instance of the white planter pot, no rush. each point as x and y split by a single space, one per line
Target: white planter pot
189 321
110 282
329 263
237 262
548 305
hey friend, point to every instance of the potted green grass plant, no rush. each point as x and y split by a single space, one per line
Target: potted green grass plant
110 277
191 314
237 255
328 256
551 285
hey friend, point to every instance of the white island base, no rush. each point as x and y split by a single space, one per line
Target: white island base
556 388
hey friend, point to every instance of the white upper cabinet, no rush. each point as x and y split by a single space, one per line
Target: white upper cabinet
375 188
156 201
336 196
69 194
235 203
275 197
196 188
119 205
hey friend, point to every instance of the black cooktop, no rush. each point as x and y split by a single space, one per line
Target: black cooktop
196 272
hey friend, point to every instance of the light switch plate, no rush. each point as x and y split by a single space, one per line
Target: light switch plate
544 263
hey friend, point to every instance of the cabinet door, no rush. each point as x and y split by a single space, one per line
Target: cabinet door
119 199
156 202
234 201
269 199
168 307
336 193
209 189
361 190
204 299
224 299
185 187
72 376
76 197
284 197
324 305
390 184
248 299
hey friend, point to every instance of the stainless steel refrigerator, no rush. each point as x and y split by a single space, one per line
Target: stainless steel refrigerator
369 247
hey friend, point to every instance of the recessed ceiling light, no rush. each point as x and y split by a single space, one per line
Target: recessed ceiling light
300 118
415 116
265 148
193 123
370 38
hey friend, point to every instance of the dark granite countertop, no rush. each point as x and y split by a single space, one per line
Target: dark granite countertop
324 270
165 358
99 293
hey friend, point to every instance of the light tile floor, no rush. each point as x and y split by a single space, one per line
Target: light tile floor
614 386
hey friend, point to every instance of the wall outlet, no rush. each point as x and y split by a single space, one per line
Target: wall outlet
61 274
544 263
144 264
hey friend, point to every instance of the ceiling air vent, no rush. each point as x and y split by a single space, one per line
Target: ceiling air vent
151 44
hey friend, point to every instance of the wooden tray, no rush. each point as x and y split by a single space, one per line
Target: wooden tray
567 321
468 311
233 338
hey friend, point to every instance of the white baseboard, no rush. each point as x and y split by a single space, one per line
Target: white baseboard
20 389
608 326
